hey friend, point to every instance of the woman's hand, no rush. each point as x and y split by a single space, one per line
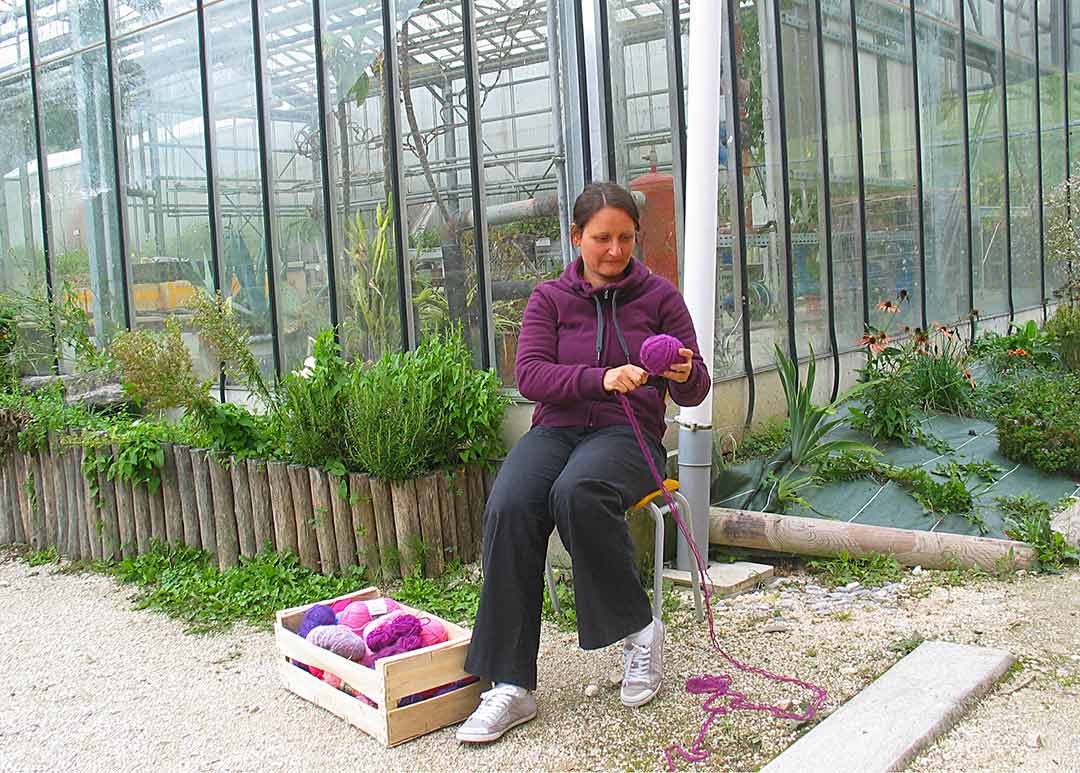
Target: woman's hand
680 371
625 378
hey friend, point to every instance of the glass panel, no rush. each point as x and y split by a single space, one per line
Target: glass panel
132 14
63 26
168 236
239 183
1023 159
892 218
22 257
987 159
1051 102
802 111
1074 84
518 168
82 193
367 260
762 183
14 42
941 124
437 175
300 250
843 178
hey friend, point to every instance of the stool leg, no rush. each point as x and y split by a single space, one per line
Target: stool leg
695 573
549 576
658 561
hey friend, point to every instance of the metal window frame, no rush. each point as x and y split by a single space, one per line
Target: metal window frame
583 89
41 152
318 20
965 123
603 32
210 161
731 19
119 159
476 171
785 187
1002 73
860 164
823 163
676 90
919 190
1039 161
266 166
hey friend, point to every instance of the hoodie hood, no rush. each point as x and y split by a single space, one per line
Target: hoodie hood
573 280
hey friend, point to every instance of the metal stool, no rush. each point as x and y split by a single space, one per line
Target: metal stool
657 506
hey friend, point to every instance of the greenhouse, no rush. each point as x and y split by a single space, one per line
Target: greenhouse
390 167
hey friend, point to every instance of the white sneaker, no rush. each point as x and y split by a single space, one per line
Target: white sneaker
500 709
643 668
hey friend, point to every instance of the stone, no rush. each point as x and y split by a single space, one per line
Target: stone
591 691
917 570
1034 741
848 670
615 677
776 627
5 584
851 586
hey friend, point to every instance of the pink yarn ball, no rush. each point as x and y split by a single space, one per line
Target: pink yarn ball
359 613
332 679
432 631
339 605
385 631
659 353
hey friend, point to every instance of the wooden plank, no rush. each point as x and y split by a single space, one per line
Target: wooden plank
366 680
95 526
282 502
323 520
262 514
477 502
140 500
110 530
79 546
463 516
228 539
78 489
11 476
170 495
364 526
125 513
58 494
40 538
71 523
899 714
204 502
292 617
47 495
344 534
427 503
422 669
406 524
241 494
726 579
819 537
191 526
448 515
158 532
7 520
355 712
23 486
432 714
383 507
300 483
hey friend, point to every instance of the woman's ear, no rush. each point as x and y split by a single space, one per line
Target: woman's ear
575 235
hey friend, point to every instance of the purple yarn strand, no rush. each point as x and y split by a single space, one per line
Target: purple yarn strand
717 686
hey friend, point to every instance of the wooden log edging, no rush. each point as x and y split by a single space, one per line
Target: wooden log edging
241 494
285 536
204 501
170 496
189 504
344 534
228 538
7 522
819 537
300 484
323 520
364 525
383 506
262 512
428 503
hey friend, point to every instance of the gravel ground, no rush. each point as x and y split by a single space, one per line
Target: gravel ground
93 683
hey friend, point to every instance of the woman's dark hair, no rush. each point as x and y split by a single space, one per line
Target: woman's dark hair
596 196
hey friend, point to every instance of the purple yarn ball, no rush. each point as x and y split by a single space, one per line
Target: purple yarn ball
388 633
320 614
339 639
406 643
659 353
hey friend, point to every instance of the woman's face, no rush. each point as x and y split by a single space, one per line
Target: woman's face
606 244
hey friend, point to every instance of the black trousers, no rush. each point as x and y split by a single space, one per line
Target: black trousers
581 481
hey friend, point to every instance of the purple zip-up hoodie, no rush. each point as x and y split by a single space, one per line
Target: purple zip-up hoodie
572 333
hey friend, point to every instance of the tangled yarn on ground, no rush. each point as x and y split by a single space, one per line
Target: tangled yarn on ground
659 353
340 640
358 614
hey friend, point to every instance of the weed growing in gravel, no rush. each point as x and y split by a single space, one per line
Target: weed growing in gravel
905 647
872 570
1027 518
454 596
46 555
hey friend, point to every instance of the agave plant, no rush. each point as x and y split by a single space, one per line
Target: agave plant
810 423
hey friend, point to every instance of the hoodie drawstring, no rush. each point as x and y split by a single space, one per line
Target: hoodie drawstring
614 321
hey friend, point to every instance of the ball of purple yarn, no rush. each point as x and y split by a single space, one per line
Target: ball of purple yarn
406 643
339 639
393 630
659 353
320 614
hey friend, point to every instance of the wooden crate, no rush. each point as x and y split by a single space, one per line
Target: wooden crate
392 679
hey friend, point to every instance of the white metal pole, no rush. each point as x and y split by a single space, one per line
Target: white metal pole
699 279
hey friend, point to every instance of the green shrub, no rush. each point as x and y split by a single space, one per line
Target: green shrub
1040 424
156 367
1064 326
772 435
1028 519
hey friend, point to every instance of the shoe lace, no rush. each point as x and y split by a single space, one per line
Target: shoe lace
493 703
638 659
